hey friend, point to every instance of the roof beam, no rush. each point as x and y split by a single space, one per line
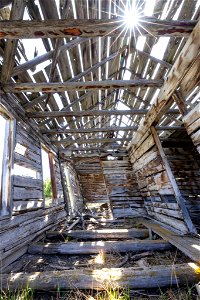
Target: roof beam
90 141
105 129
92 28
17 13
187 61
46 87
49 55
84 113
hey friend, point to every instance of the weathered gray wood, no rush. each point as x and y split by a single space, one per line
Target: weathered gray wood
4 3
133 278
91 28
92 247
189 56
189 245
78 86
24 193
89 141
17 12
100 234
105 129
177 193
42 58
84 113
22 181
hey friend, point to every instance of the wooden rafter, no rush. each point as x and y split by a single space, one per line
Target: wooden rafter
83 113
188 59
91 28
105 129
78 86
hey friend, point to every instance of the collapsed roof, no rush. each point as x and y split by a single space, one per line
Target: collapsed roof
88 80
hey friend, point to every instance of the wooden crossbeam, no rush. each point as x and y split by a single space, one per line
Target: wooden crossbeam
46 87
187 61
92 28
90 141
84 113
105 129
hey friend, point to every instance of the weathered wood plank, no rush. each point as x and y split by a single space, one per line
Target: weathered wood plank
134 278
47 87
44 114
189 245
91 28
42 58
100 234
92 247
189 56
23 181
173 182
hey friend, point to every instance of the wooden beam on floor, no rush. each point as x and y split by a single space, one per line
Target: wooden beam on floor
92 247
55 87
188 244
100 234
85 113
188 60
92 28
133 278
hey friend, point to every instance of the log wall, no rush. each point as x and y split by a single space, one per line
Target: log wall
122 188
91 178
185 165
192 125
154 183
29 218
110 181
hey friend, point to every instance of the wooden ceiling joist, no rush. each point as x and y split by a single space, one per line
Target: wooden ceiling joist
91 141
92 28
47 56
46 87
105 129
83 113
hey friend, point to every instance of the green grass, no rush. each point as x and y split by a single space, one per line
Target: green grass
20 294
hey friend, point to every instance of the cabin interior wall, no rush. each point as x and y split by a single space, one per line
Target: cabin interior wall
28 218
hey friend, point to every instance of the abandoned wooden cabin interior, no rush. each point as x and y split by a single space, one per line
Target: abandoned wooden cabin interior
99 144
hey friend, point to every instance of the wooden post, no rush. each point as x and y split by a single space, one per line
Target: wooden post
63 183
177 193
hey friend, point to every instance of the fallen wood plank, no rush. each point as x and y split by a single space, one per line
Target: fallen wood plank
96 247
100 234
133 278
188 244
